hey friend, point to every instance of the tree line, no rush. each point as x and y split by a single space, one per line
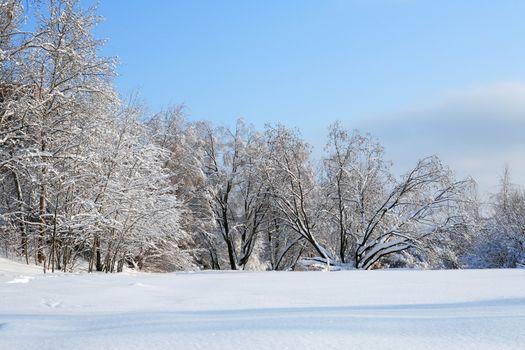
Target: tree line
87 179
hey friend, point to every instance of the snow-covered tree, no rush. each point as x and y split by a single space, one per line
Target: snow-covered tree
291 182
374 215
355 179
137 203
420 205
501 242
182 140
232 160
81 175
58 86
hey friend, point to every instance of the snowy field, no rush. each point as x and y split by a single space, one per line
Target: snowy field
397 309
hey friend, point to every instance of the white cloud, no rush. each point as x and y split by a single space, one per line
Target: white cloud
476 131
487 167
501 102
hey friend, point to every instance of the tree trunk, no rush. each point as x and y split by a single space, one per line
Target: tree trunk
42 231
231 254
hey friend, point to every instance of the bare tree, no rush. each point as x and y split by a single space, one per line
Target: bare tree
291 182
414 209
81 175
237 194
501 242
355 177
184 144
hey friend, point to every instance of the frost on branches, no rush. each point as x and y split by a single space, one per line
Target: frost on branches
80 176
87 181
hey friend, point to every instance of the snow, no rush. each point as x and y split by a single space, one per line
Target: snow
387 309
21 279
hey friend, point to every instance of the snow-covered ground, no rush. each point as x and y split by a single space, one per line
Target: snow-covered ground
396 309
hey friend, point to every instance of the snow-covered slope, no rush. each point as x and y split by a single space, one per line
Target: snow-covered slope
9 267
471 309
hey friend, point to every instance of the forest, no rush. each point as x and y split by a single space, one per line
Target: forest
88 179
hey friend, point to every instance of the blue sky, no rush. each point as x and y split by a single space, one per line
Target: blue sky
425 77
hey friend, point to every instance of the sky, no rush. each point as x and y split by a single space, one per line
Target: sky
424 77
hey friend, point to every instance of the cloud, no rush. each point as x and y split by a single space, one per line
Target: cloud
476 131
487 167
504 101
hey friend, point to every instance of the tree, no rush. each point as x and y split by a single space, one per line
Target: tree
16 99
59 85
237 195
137 204
417 207
182 140
374 215
291 183
355 178
501 242
81 175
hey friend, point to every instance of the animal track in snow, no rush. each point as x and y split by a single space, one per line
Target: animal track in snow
51 303
21 279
